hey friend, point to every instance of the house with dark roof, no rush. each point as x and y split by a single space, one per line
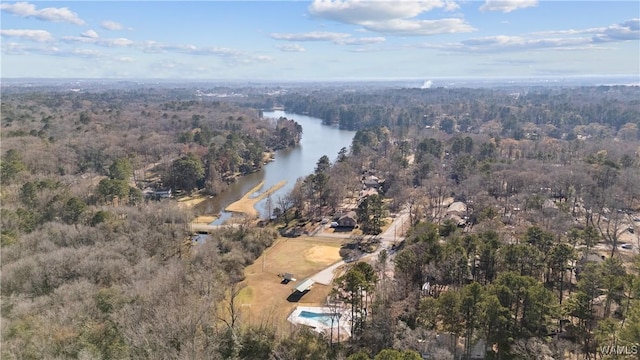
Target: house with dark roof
348 220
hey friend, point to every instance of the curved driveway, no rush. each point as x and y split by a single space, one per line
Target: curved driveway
392 235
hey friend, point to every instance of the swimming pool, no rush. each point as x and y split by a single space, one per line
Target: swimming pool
319 318
324 318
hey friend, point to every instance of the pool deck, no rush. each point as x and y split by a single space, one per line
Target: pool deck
343 324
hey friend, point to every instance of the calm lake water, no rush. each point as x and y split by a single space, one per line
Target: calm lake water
290 164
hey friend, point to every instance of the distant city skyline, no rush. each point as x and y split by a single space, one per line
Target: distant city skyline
319 40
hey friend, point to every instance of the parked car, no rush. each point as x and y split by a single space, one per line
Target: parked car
627 246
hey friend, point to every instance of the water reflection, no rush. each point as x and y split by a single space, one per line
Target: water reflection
289 164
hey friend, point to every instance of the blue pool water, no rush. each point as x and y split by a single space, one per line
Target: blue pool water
324 318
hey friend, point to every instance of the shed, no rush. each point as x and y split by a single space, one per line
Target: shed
162 194
305 285
288 277
426 288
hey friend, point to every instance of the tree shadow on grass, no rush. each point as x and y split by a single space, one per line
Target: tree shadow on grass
343 229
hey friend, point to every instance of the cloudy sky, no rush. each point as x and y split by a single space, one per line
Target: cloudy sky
320 39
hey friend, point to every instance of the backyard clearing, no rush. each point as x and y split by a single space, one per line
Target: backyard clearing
190 201
264 299
247 204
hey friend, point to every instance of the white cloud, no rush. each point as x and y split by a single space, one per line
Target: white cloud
119 42
503 44
33 35
85 53
212 50
391 17
362 41
19 49
262 58
24 9
86 38
310 36
152 47
69 46
336 38
90 34
419 27
111 25
514 43
230 55
451 5
291 48
628 30
12 48
507 6
591 38
358 11
363 50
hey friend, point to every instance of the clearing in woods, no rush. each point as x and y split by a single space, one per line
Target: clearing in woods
264 299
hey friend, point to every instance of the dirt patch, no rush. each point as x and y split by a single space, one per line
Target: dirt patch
323 254
247 204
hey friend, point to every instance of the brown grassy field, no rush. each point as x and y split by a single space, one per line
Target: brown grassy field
191 201
264 299
204 219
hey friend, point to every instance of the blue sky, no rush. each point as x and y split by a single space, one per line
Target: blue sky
319 40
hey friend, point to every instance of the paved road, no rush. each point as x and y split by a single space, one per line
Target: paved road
393 234
325 277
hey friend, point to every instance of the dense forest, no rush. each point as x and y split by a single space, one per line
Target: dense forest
523 202
508 112
70 133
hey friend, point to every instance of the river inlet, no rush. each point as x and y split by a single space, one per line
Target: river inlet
289 165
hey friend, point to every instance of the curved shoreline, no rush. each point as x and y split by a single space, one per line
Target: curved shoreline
247 204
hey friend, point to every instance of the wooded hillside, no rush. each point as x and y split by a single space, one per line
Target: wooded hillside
523 208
